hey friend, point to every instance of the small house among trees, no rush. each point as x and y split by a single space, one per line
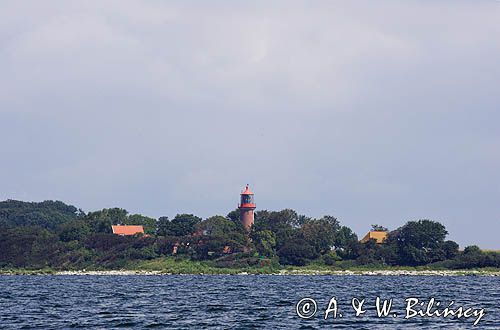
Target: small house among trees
127 230
378 236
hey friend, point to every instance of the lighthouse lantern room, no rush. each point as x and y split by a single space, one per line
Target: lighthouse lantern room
247 206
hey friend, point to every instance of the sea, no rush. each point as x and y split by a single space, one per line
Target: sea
248 302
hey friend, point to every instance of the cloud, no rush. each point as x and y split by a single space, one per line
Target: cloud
374 112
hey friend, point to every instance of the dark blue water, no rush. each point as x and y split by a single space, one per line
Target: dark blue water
236 302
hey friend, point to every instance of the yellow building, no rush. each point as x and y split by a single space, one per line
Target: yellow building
378 236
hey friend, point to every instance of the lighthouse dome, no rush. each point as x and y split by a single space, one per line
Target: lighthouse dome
247 191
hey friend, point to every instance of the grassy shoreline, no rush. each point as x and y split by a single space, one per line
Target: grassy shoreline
171 266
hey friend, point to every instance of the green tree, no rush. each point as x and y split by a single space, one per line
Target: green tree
101 221
283 224
421 242
148 223
350 250
321 233
376 227
330 258
220 232
234 215
387 253
368 252
181 225
265 242
47 214
217 226
76 230
450 249
162 228
344 238
472 250
296 252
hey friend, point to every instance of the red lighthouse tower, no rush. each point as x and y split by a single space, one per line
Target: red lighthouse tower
246 206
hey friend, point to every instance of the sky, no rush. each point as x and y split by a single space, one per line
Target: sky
373 112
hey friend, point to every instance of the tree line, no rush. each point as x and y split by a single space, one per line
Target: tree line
54 234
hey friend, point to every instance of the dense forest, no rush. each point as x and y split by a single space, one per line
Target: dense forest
59 236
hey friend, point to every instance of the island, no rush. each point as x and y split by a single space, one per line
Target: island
52 237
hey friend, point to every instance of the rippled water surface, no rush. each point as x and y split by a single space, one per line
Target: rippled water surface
269 302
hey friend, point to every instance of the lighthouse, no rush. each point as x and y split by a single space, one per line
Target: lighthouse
246 206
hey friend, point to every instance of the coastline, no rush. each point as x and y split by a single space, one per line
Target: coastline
283 272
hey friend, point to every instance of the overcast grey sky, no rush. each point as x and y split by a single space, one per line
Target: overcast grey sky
371 111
